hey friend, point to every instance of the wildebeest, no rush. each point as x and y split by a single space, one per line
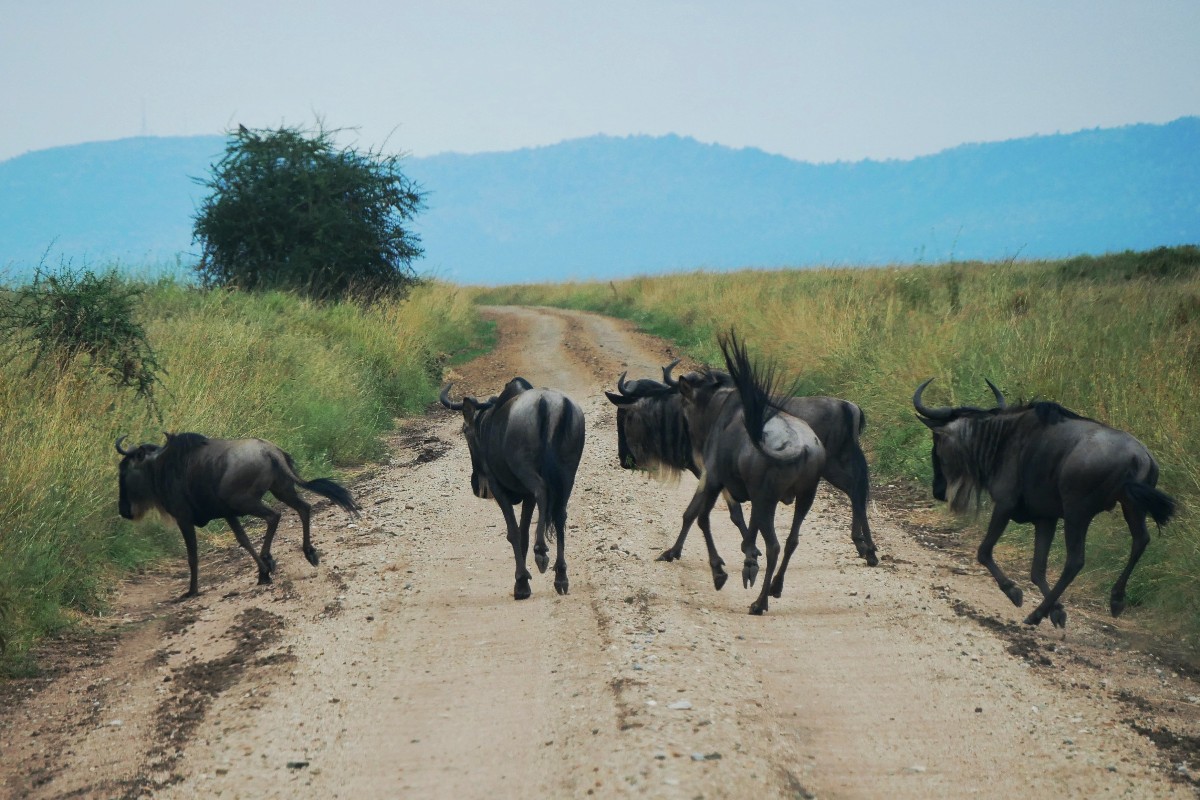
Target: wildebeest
754 450
652 433
525 447
1040 462
194 479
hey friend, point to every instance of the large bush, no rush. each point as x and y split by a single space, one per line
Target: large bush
289 209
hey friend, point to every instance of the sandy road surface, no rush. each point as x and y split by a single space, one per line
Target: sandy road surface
403 668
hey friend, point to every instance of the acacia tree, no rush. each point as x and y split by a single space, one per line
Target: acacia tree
288 209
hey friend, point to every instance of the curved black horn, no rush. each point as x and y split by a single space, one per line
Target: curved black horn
944 412
118 445
1001 403
621 383
445 398
667 379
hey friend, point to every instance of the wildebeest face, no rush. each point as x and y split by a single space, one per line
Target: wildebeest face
133 482
473 415
954 481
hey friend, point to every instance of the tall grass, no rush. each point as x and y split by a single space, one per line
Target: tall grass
321 380
1115 338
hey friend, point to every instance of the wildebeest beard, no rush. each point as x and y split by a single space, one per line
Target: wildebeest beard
964 484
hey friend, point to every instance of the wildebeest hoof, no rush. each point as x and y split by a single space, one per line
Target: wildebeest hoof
269 560
188 595
264 578
670 554
521 590
719 578
1116 606
313 556
1059 617
1035 618
562 586
1014 593
542 560
872 559
749 574
776 588
757 609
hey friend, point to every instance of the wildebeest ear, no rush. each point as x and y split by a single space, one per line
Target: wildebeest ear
620 399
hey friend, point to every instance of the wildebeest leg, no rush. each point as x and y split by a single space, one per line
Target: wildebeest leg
673 552
189 541
290 497
561 584
1042 538
1141 537
698 508
996 527
803 504
762 519
519 537
1075 528
542 498
852 479
264 574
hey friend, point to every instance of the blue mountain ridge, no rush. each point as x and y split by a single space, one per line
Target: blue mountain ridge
607 207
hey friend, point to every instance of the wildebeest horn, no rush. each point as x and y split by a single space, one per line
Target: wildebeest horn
944 412
445 398
118 445
621 383
1000 401
667 379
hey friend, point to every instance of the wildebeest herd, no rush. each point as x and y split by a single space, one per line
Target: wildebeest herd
743 436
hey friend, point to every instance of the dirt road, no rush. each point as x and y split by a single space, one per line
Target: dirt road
402 667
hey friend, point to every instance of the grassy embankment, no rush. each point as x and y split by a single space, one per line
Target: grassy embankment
1115 338
322 381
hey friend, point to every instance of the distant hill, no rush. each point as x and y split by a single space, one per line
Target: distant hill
605 207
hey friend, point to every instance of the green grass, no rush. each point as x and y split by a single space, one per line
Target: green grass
1116 338
321 380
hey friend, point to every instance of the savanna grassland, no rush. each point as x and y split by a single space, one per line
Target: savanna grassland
323 380
1116 338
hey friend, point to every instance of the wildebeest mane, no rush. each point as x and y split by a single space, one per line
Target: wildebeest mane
1051 413
181 444
757 385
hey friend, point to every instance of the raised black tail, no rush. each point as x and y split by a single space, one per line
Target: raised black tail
757 387
335 492
1159 505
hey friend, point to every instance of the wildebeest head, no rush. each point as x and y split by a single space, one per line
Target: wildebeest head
954 478
136 493
644 433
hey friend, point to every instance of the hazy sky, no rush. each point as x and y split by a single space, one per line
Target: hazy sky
813 81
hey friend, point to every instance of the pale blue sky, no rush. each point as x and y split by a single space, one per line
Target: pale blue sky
813 81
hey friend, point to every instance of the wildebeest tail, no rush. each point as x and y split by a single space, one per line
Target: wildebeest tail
324 487
335 492
1159 505
757 387
553 471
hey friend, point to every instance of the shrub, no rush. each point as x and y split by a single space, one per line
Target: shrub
67 318
289 210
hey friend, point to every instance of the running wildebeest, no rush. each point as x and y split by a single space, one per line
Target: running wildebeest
1040 462
525 447
194 479
753 449
652 433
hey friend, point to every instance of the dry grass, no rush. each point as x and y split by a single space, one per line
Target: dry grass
1114 340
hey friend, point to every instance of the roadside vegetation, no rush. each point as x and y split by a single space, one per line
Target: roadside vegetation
323 380
1116 338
